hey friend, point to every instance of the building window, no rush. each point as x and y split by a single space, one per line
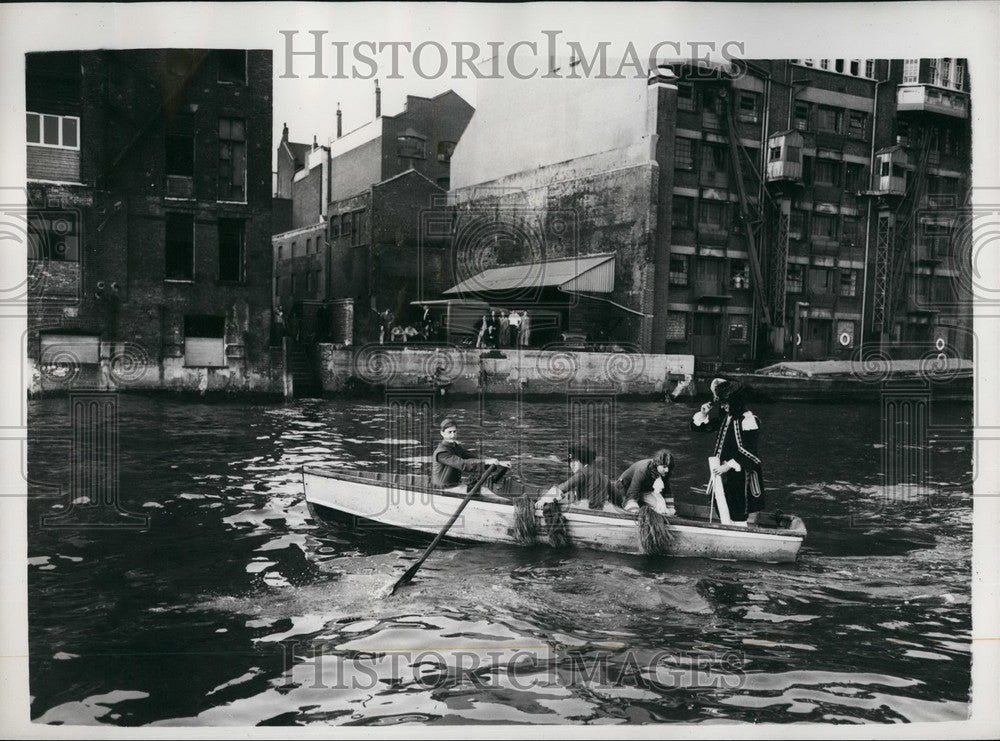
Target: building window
819 280
857 122
281 251
232 250
334 227
850 230
309 244
797 224
48 130
683 154
685 97
824 64
794 277
748 107
738 329
870 68
854 177
346 224
712 214
824 226
294 288
856 67
410 146
677 326
291 250
959 74
826 172
679 270
310 287
232 66
932 71
775 153
179 154
53 236
179 247
360 234
946 73
445 151
739 274
911 70
683 213
830 119
845 333
838 65
204 341
801 115
713 158
849 283
232 160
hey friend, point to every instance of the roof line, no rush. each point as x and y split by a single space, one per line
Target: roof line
407 172
558 259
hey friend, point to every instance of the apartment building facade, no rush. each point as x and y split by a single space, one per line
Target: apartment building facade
741 205
149 200
357 204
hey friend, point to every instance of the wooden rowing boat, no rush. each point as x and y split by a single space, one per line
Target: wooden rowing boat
406 501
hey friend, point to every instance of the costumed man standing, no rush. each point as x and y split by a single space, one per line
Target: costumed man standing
450 460
739 467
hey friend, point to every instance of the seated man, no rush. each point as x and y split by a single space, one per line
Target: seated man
587 487
450 460
648 482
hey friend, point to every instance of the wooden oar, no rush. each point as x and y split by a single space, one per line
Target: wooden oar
410 572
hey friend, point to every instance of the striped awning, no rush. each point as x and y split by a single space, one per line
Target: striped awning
592 274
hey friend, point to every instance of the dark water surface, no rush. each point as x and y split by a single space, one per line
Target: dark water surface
235 608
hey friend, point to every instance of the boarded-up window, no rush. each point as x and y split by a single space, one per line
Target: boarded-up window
231 250
204 341
179 154
679 270
232 160
179 247
69 350
676 326
54 235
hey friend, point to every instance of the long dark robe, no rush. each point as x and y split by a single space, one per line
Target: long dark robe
737 440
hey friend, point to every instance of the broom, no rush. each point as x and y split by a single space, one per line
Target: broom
556 525
525 524
655 536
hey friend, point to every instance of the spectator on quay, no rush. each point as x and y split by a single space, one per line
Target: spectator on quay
514 323
524 335
504 339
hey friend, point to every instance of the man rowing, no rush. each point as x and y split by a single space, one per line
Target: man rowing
450 460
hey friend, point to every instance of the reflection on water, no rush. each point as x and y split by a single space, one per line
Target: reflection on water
234 608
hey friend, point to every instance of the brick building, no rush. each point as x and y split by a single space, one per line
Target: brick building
749 214
357 207
149 214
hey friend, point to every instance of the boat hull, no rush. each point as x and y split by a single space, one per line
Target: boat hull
414 508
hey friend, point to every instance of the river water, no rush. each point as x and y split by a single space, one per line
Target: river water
234 608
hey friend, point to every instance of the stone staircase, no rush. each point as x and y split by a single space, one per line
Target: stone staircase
306 382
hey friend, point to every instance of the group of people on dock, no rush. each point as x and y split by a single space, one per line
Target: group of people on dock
735 466
504 328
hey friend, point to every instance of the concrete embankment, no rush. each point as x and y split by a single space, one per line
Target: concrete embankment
505 372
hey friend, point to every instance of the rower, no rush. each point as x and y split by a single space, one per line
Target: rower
450 460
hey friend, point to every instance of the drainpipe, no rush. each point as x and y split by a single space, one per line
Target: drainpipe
868 220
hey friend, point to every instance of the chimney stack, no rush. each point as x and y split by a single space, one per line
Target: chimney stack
378 100
315 144
339 115
284 132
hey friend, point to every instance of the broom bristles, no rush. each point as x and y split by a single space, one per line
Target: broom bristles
525 525
556 525
655 536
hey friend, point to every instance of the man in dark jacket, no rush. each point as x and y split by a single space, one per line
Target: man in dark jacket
450 460
650 476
